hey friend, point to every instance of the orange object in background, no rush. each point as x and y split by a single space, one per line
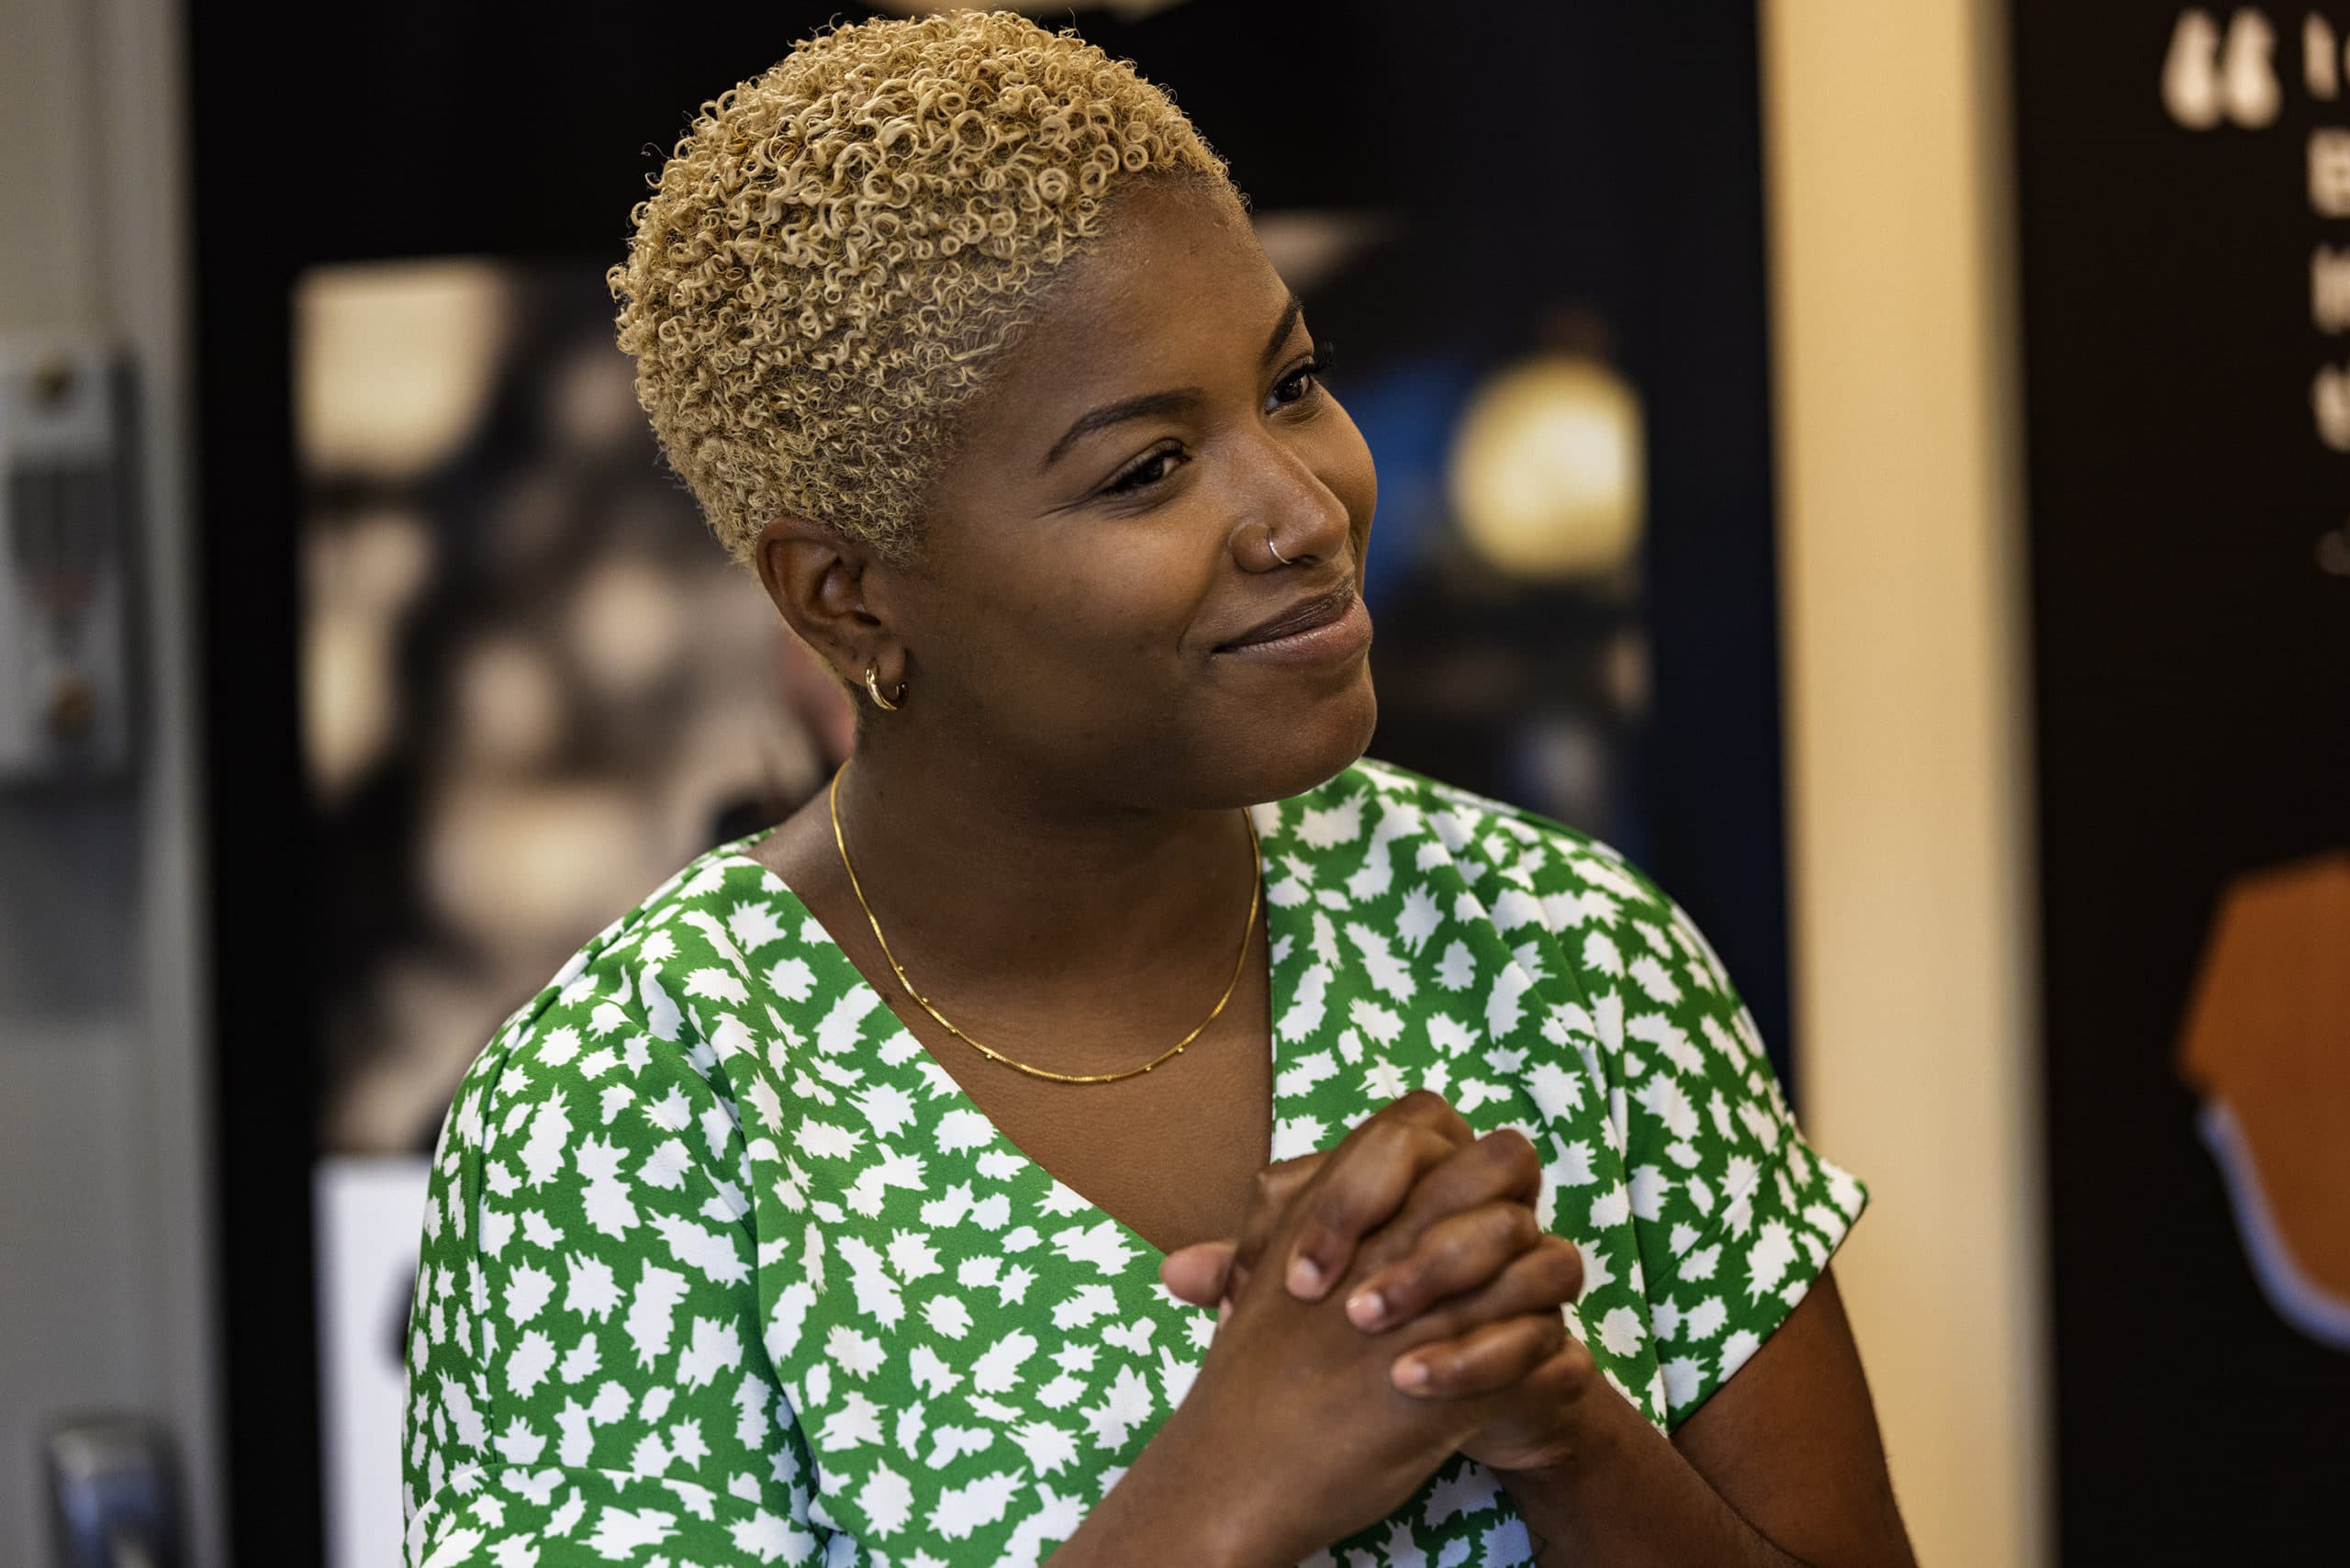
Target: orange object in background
2266 1044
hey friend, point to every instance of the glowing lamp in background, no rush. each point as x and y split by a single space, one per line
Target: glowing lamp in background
1545 476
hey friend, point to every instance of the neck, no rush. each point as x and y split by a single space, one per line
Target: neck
992 884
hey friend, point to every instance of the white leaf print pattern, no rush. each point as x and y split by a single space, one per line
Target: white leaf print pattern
863 1327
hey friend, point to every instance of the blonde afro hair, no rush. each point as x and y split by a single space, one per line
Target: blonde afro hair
837 249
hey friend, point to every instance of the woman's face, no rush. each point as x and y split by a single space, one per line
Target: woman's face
1096 560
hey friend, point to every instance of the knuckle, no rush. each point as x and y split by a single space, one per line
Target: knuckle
1511 1154
1293 1175
1562 1266
1422 1104
1430 1148
1525 1348
1416 1290
1570 1372
1465 1249
1552 1281
1518 1153
1334 1212
1449 1256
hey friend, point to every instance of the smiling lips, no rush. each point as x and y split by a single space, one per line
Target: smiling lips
1332 625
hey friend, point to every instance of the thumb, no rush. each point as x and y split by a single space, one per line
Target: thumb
1196 1273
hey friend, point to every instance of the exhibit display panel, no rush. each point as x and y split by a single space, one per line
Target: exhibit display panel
2184 226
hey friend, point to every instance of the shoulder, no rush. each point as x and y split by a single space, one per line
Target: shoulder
1732 1213
1553 980
586 1313
1369 789
630 992
612 1054
1645 983
1542 871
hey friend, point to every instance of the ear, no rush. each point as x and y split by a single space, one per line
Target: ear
824 586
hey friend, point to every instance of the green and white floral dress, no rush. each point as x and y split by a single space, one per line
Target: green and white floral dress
719 1267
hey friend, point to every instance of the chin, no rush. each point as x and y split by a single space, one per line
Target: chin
1312 747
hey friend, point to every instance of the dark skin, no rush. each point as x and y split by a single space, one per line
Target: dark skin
1567 1446
1049 830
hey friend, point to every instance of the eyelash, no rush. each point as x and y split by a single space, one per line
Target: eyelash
1131 482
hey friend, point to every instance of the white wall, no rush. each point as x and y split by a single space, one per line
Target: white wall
1908 824
105 1298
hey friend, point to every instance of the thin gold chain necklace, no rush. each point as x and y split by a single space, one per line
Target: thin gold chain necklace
1248 931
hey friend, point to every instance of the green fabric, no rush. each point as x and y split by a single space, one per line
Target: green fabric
721 1267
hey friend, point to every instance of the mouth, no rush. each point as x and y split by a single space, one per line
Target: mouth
1329 625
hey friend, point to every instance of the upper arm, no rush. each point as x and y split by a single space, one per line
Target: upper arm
1791 1442
1737 1217
1734 1214
587 1374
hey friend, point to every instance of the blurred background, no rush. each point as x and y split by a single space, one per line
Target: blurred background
1885 469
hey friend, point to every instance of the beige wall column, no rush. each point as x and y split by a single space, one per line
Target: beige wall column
1909 819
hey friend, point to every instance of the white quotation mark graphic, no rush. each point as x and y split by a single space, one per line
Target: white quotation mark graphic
2208 78
2330 289
2334 552
2320 59
2330 399
2330 172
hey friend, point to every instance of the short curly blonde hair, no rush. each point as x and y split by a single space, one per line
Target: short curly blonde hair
836 249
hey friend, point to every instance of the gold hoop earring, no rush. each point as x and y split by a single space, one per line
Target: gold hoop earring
873 685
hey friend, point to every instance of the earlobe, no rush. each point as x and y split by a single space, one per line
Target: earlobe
816 581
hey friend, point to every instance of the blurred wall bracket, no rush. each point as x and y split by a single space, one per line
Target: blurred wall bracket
67 495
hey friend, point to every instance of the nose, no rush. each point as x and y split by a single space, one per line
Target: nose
1291 517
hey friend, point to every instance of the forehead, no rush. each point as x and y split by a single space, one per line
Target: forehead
1175 285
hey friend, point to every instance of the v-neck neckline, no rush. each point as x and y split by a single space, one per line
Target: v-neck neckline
1278 927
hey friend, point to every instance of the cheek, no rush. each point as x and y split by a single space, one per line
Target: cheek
1103 600
1346 466
1144 598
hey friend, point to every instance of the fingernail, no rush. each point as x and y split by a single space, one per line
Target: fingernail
1411 1374
1365 1308
1223 1311
1304 1278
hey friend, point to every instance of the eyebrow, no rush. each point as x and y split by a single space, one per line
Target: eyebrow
1181 399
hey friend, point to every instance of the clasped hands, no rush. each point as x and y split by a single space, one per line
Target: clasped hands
1423 1233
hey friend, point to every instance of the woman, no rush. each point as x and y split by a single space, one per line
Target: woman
953 1173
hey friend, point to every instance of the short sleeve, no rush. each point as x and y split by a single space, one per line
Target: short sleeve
586 1377
1734 1214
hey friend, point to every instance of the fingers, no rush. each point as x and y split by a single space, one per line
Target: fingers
1365 1182
1542 1279
1464 1252
1268 1201
1197 1273
1500 1167
1492 1358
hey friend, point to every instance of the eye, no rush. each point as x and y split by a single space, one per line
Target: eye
1305 380
1152 468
